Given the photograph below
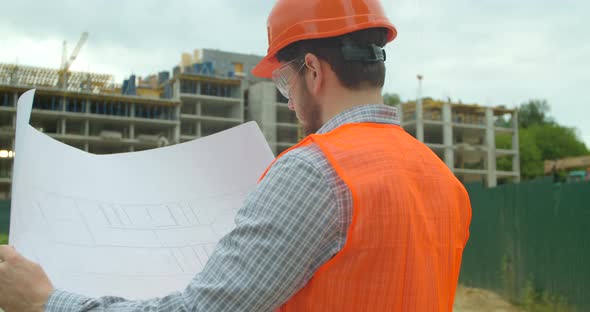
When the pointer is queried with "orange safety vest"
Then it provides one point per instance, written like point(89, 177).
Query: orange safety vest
point(409, 227)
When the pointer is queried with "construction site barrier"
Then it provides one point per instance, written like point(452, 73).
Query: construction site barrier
point(531, 242)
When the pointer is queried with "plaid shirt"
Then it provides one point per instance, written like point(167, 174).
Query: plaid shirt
point(293, 222)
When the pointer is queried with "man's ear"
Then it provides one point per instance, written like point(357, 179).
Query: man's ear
point(315, 73)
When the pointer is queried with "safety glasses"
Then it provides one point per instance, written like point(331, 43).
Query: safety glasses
point(283, 76)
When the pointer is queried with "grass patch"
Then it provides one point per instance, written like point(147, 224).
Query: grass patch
point(537, 301)
point(531, 297)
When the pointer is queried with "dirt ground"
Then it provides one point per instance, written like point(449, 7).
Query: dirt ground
point(479, 300)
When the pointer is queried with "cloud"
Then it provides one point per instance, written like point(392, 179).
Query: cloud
point(492, 52)
point(130, 36)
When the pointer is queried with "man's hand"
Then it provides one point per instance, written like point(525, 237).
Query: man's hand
point(24, 286)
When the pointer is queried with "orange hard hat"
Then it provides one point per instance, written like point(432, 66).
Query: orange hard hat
point(296, 20)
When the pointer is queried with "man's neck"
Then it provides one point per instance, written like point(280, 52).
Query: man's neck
point(346, 99)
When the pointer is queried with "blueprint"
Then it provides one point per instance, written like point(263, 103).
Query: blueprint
point(135, 225)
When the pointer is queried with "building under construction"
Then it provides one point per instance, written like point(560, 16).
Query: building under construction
point(210, 91)
point(207, 92)
point(464, 137)
point(217, 92)
point(90, 113)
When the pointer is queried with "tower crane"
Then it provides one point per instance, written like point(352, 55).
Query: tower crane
point(67, 62)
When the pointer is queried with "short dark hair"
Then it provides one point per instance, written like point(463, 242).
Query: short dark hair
point(352, 74)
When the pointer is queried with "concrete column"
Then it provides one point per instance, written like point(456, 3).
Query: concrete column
point(15, 99)
point(176, 138)
point(198, 91)
point(63, 126)
point(263, 110)
point(491, 147)
point(448, 136)
point(132, 110)
point(198, 109)
point(176, 89)
point(86, 147)
point(515, 147)
point(419, 121)
point(132, 131)
point(400, 114)
point(131, 148)
point(242, 101)
point(86, 127)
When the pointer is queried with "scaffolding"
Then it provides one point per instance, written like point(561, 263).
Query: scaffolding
point(13, 74)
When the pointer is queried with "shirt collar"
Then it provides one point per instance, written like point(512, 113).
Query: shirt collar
point(370, 113)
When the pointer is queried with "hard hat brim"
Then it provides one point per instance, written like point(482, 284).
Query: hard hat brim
point(269, 63)
point(266, 66)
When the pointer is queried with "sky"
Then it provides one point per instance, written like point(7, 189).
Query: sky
point(489, 52)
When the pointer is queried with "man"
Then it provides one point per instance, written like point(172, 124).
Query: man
point(357, 217)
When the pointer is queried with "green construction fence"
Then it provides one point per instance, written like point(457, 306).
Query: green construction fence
point(532, 237)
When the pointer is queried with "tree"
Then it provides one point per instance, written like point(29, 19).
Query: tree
point(546, 142)
point(531, 159)
point(504, 141)
point(391, 99)
point(540, 138)
point(534, 112)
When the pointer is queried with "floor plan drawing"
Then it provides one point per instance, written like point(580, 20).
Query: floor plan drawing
point(134, 225)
